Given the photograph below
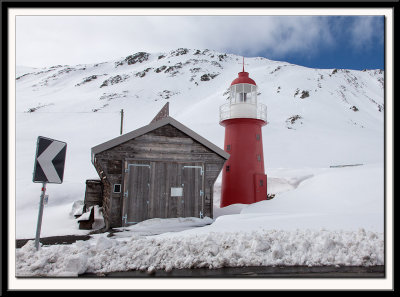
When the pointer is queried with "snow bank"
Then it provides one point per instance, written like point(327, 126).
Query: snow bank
point(336, 198)
point(230, 249)
point(160, 226)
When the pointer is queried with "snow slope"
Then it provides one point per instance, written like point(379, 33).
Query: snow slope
point(317, 118)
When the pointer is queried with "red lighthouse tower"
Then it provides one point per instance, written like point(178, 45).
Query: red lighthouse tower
point(243, 177)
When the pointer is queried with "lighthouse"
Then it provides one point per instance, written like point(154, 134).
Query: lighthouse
point(243, 177)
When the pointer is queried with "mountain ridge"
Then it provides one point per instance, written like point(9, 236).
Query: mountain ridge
point(316, 117)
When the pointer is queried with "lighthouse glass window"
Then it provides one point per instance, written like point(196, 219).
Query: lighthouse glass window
point(244, 93)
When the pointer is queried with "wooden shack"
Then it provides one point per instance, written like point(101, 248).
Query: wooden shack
point(162, 170)
point(93, 193)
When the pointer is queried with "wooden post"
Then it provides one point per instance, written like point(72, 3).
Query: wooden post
point(122, 120)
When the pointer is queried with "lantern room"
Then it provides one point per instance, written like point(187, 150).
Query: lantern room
point(243, 93)
point(243, 100)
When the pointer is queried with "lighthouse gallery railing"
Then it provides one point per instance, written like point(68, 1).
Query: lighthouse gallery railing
point(242, 110)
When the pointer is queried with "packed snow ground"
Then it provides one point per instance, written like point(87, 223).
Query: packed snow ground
point(319, 216)
point(311, 231)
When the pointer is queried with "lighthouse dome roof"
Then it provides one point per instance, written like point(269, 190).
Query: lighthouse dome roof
point(243, 79)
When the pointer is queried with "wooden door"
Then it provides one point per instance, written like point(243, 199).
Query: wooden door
point(177, 190)
point(158, 188)
point(136, 193)
point(193, 190)
point(174, 190)
point(162, 190)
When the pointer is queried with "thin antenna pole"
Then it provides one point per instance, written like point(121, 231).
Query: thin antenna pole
point(243, 64)
point(122, 121)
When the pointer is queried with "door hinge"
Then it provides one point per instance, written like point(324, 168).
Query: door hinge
point(139, 165)
point(201, 193)
point(124, 218)
point(201, 214)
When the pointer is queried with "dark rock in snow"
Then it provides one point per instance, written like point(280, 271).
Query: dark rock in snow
point(87, 79)
point(143, 73)
point(195, 70)
point(304, 94)
point(208, 76)
point(166, 94)
point(114, 80)
point(33, 109)
point(292, 120)
point(19, 77)
point(173, 69)
point(222, 57)
point(160, 69)
point(112, 96)
point(179, 51)
point(275, 70)
point(133, 59)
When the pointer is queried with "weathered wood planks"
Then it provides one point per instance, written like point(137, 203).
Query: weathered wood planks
point(173, 160)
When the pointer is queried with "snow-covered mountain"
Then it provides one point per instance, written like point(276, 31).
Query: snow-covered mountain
point(316, 117)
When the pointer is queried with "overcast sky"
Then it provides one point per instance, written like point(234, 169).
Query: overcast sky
point(353, 42)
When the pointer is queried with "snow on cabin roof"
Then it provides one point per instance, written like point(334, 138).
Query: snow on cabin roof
point(155, 125)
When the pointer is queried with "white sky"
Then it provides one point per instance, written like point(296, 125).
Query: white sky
point(51, 40)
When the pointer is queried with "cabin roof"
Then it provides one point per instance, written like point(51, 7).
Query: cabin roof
point(155, 125)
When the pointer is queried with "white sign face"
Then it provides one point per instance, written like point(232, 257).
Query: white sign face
point(176, 192)
point(50, 160)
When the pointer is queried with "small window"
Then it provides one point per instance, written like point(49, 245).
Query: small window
point(261, 182)
point(228, 147)
point(117, 188)
point(258, 136)
point(228, 168)
point(258, 158)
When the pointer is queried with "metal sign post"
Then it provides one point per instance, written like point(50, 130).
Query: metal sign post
point(39, 223)
point(49, 168)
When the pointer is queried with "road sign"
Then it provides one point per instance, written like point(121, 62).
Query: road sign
point(49, 168)
point(49, 161)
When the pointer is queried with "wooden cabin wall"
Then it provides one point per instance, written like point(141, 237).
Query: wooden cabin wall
point(93, 193)
point(166, 144)
point(110, 173)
